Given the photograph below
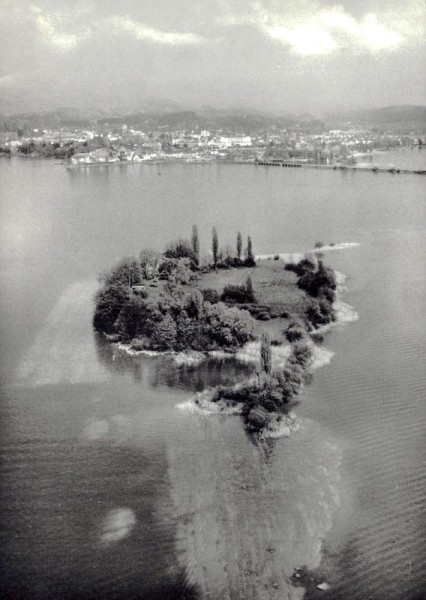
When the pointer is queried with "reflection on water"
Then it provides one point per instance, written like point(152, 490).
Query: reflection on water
point(252, 512)
point(166, 370)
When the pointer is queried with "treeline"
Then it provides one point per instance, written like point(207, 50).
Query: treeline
point(59, 150)
point(132, 307)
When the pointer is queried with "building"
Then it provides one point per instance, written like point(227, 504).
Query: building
point(235, 140)
point(8, 136)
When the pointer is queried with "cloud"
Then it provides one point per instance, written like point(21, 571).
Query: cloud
point(308, 30)
point(51, 29)
point(64, 31)
point(307, 39)
point(141, 31)
point(367, 33)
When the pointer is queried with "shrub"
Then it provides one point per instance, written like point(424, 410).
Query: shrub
point(287, 392)
point(227, 327)
point(295, 332)
point(249, 262)
point(141, 343)
point(306, 265)
point(238, 294)
point(257, 419)
point(326, 293)
point(290, 267)
point(263, 316)
point(293, 375)
point(167, 267)
point(302, 354)
point(211, 295)
point(321, 281)
point(176, 270)
point(319, 312)
point(182, 249)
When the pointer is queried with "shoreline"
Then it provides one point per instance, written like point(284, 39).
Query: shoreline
point(281, 424)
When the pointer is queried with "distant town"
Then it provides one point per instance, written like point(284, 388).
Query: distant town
point(180, 138)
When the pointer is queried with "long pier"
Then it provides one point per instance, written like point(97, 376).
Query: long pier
point(375, 169)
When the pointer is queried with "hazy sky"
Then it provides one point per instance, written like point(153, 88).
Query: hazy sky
point(286, 55)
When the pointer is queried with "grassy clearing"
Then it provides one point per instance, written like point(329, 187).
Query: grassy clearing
point(273, 287)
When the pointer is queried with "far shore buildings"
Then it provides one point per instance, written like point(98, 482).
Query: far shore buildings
point(235, 140)
point(8, 136)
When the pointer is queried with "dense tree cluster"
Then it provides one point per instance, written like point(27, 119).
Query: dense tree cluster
point(177, 318)
point(319, 282)
point(239, 294)
point(272, 390)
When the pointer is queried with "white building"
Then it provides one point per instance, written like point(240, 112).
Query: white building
point(235, 140)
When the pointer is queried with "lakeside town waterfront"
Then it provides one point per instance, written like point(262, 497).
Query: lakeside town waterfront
point(96, 430)
point(151, 138)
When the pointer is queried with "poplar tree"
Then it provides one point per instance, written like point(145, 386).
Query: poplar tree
point(266, 354)
point(215, 245)
point(239, 245)
point(249, 289)
point(196, 244)
point(250, 258)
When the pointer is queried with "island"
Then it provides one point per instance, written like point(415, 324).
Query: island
point(179, 301)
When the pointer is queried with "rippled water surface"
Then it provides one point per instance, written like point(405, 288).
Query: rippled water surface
point(112, 487)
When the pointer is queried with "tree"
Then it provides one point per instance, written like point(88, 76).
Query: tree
point(257, 419)
point(249, 289)
point(165, 334)
point(239, 245)
point(226, 327)
point(127, 272)
point(215, 246)
point(250, 262)
point(109, 302)
point(195, 304)
point(196, 243)
point(136, 318)
point(182, 273)
point(265, 353)
point(181, 249)
point(149, 260)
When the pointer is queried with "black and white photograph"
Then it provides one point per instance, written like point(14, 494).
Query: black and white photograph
point(212, 299)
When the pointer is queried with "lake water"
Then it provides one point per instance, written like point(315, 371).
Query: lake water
point(113, 487)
